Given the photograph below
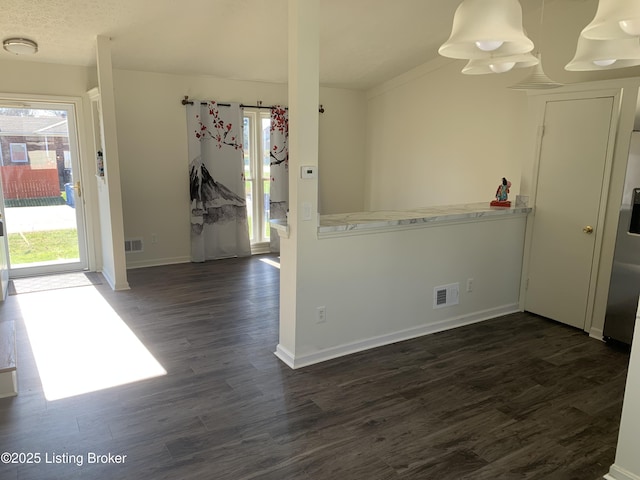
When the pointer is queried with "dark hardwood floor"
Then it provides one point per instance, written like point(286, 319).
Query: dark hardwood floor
point(517, 397)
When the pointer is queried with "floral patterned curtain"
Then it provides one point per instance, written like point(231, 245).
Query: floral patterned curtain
point(279, 165)
point(219, 227)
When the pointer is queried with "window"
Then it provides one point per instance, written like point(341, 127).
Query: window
point(19, 153)
point(257, 172)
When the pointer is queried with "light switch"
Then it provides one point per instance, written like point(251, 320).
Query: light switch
point(306, 211)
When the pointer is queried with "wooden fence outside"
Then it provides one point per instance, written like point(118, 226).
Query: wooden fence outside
point(24, 182)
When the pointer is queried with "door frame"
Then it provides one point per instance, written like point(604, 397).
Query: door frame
point(539, 104)
point(85, 160)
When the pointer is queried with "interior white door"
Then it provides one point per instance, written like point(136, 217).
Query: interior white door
point(573, 157)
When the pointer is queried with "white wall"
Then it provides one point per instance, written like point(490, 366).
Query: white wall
point(437, 137)
point(45, 79)
point(152, 141)
point(342, 151)
point(378, 288)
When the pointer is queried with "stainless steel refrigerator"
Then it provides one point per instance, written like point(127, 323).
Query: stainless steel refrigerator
point(624, 289)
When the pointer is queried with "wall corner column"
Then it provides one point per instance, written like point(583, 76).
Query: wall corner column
point(110, 195)
point(304, 88)
point(627, 462)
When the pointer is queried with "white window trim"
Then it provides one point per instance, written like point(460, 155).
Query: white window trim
point(258, 245)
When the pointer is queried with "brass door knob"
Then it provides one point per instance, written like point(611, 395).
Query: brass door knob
point(588, 229)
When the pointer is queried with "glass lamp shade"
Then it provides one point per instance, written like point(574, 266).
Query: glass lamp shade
point(499, 64)
point(615, 19)
point(631, 26)
point(501, 67)
point(482, 28)
point(605, 54)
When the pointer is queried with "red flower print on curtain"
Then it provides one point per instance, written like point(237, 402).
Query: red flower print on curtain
point(279, 165)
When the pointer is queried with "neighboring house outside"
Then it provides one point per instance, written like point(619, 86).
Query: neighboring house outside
point(34, 157)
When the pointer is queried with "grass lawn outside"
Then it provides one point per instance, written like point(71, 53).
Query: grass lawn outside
point(47, 246)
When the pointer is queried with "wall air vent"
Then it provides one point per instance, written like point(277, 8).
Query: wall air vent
point(446, 295)
point(133, 245)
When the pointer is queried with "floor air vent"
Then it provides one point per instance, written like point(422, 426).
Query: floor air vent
point(133, 245)
point(446, 295)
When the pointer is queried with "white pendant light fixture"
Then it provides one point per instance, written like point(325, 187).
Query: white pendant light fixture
point(614, 19)
point(486, 28)
point(605, 54)
point(536, 80)
point(499, 64)
point(20, 46)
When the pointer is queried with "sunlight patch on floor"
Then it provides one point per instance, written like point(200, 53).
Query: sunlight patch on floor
point(271, 262)
point(81, 344)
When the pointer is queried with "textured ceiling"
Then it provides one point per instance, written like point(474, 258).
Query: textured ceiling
point(362, 42)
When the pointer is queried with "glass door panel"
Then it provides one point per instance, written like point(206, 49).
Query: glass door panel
point(41, 191)
point(266, 175)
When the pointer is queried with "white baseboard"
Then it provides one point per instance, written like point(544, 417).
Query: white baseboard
point(619, 473)
point(156, 262)
point(108, 278)
point(260, 248)
point(597, 334)
point(256, 249)
point(299, 361)
point(112, 283)
point(4, 280)
point(285, 355)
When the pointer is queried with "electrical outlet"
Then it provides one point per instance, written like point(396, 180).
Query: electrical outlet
point(154, 238)
point(321, 314)
point(469, 284)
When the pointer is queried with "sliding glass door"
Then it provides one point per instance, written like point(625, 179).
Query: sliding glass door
point(41, 201)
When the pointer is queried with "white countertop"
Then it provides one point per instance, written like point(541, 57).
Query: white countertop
point(389, 219)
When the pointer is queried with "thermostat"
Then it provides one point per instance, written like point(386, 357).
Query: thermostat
point(309, 172)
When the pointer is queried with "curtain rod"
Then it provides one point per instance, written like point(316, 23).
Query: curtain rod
point(186, 101)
